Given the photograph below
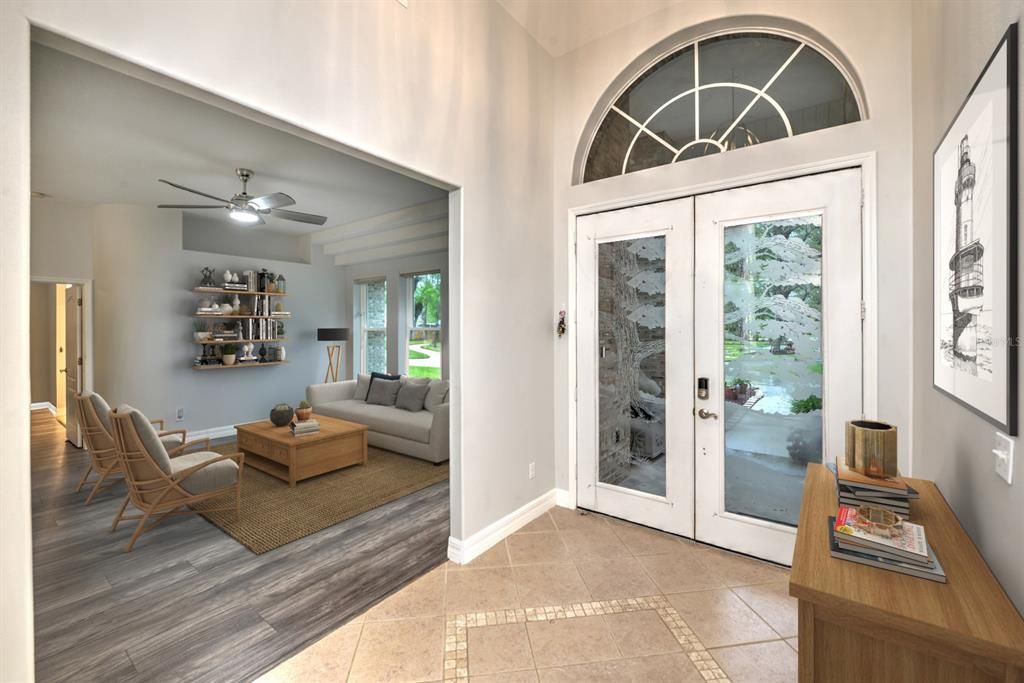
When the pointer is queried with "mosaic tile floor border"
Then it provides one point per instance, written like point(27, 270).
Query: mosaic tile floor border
point(456, 647)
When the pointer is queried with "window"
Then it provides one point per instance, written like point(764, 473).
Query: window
point(423, 295)
point(718, 94)
point(372, 318)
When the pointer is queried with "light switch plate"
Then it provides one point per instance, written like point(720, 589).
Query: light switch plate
point(1004, 457)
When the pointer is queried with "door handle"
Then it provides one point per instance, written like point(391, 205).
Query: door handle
point(63, 370)
point(705, 415)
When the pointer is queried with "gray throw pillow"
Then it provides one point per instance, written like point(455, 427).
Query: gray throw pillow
point(383, 392)
point(408, 379)
point(437, 395)
point(362, 387)
point(411, 396)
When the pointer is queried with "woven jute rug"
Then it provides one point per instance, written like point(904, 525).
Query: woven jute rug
point(273, 514)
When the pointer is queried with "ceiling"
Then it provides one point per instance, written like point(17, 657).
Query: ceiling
point(102, 137)
point(564, 25)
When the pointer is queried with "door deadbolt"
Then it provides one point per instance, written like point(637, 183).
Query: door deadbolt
point(702, 388)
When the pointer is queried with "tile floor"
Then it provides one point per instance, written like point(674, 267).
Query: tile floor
point(571, 597)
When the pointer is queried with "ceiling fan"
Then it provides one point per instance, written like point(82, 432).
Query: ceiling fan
point(245, 208)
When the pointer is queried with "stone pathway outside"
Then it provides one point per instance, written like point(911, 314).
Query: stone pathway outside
point(572, 597)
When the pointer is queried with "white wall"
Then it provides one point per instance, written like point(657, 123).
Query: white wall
point(951, 43)
point(455, 90)
point(392, 271)
point(42, 331)
point(873, 38)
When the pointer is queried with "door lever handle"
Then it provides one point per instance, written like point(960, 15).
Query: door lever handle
point(705, 415)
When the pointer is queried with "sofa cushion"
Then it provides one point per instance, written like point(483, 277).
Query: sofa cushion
point(210, 478)
point(409, 379)
point(382, 419)
point(411, 396)
point(383, 392)
point(148, 436)
point(362, 387)
point(437, 395)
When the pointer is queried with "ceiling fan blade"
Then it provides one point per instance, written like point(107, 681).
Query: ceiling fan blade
point(189, 189)
point(271, 201)
point(191, 206)
point(299, 216)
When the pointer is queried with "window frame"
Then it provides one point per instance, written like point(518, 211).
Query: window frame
point(409, 323)
point(360, 321)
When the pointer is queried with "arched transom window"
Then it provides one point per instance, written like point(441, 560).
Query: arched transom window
point(717, 94)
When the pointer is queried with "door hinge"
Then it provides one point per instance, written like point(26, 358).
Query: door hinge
point(863, 310)
point(79, 302)
point(79, 360)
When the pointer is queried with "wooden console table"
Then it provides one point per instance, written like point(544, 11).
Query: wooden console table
point(859, 623)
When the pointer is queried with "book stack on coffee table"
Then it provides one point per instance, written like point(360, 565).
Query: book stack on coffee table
point(304, 427)
point(901, 547)
point(889, 493)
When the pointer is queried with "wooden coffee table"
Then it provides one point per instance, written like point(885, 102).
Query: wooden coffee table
point(290, 458)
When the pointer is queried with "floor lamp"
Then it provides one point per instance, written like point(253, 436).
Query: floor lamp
point(332, 334)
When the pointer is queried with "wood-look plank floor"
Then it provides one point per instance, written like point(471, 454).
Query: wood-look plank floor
point(190, 603)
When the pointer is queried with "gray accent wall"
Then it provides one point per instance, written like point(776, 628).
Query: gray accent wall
point(951, 42)
point(142, 316)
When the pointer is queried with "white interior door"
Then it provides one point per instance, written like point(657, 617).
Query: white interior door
point(778, 336)
point(635, 364)
point(72, 359)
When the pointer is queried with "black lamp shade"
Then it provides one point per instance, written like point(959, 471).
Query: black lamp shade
point(332, 334)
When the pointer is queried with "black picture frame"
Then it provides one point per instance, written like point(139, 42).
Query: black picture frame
point(959, 281)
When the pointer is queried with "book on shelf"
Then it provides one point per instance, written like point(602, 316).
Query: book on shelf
point(907, 540)
point(933, 571)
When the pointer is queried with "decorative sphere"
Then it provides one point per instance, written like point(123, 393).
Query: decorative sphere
point(281, 414)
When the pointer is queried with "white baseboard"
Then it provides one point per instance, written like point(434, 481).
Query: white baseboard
point(45, 405)
point(464, 551)
point(565, 499)
point(211, 433)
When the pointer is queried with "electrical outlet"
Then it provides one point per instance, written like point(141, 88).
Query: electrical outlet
point(180, 415)
point(1004, 457)
point(533, 470)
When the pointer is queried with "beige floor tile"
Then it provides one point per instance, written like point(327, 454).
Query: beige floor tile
point(720, 618)
point(594, 542)
point(571, 641)
point(622, 577)
point(496, 649)
point(639, 634)
point(496, 556)
point(679, 571)
point(509, 677)
point(794, 643)
point(327, 660)
point(567, 520)
point(424, 597)
point(403, 651)
point(674, 668)
point(474, 590)
point(536, 548)
point(540, 585)
point(772, 603)
point(736, 570)
point(542, 523)
point(643, 541)
point(774, 662)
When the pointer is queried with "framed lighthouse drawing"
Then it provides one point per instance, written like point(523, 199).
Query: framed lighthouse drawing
point(976, 199)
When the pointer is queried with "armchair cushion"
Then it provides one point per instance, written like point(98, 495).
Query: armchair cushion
point(102, 409)
point(210, 478)
point(149, 437)
point(172, 440)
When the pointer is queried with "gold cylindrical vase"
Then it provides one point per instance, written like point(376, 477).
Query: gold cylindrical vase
point(871, 448)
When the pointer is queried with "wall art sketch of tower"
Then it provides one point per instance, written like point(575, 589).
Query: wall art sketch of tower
point(966, 284)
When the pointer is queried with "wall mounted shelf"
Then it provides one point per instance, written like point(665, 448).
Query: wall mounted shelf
point(240, 292)
point(235, 341)
point(236, 366)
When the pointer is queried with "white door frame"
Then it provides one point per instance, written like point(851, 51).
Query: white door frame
point(87, 334)
point(867, 162)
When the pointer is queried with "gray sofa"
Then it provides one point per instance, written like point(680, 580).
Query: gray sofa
point(422, 434)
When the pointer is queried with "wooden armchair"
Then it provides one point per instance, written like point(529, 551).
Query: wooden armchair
point(94, 416)
point(159, 485)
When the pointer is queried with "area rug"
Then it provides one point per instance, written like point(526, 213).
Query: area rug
point(273, 514)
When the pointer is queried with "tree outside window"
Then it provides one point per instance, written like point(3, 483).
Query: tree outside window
point(425, 325)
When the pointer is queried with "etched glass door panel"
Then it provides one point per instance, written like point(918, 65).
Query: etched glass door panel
point(631, 364)
point(772, 350)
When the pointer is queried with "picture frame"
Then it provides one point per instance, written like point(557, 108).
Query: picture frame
point(974, 233)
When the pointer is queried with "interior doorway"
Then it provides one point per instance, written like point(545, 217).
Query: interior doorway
point(61, 360)
point(722, 353)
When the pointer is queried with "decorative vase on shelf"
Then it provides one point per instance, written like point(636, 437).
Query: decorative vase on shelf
point(227, 276)
point(225, 309)
point(281, 284)
point(280, 354)
point(234, 278)
point(236, 305)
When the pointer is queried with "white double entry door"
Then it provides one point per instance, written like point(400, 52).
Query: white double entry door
point(719, 352)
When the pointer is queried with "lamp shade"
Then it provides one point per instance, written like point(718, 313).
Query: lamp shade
point(332, 334)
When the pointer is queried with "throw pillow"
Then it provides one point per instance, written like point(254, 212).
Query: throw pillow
point(383, 375)
point(383, 392)
point(437, 395)
point(409, 379)
point(411, 396)
point(362, 387)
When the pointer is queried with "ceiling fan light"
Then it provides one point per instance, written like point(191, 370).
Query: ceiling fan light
point(244, 215)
